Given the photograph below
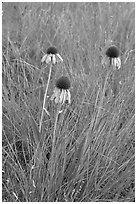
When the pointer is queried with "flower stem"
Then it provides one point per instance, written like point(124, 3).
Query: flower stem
point(45, 96)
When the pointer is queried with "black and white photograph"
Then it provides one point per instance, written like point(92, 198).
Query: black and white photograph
point(68, 101)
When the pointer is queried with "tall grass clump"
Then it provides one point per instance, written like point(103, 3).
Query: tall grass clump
point(61, 149)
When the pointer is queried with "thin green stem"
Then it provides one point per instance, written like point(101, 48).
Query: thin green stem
point(45, 96)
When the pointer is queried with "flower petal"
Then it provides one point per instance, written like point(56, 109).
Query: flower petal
point(44, 58)
point(61, 96)
point(53, 96)
point(60, 58)
point(68, 96)
point(65, 96)
point(57, 93)
point(118, 63)
point(48, 60)
point(54, 59)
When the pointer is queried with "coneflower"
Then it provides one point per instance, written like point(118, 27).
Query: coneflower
point(52, 56)
point(113, 54)
point(61, 95)
point(61, 92)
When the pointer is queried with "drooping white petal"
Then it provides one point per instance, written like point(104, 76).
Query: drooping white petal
point(58, 55)
point(48, 60)
point(54, 59)
point(53, 96)
point(61, 96)
point(44, 58)
point(57, 98)
point(65, 96)
point(118, 63)
point(68, 96)
point(113, 63)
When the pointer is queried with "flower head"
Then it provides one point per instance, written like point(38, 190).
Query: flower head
point(52, 56)
point(61, 92)
point(113, 54)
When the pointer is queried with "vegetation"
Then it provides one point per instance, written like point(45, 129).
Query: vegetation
point(93, 154)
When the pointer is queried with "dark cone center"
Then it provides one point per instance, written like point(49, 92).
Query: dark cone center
point(112, 52)
point(63, 83)
point(52, 50)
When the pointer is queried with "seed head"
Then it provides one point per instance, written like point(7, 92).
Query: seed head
point(63, 83)
point(52, 50)
point(113, 52)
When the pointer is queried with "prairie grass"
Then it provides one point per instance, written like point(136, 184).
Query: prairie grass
point(86, 153)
